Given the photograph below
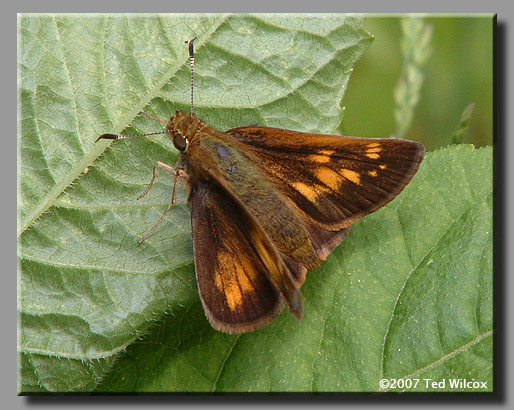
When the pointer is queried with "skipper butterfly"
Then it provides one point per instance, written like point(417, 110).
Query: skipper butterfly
point(269, 204)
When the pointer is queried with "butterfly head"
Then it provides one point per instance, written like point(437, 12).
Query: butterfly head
point(182, 128)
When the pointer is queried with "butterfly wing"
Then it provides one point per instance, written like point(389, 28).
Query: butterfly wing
point(243, 283)
point(332, 180)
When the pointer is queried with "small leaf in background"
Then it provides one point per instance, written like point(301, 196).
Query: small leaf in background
point(415, 50)
point(465, 120)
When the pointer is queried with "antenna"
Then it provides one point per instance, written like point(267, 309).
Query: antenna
point(192, 61)
point(123, 137)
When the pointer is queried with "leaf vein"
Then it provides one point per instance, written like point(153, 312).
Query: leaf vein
point(224, 363)
point(400, 292)
point(447, 356)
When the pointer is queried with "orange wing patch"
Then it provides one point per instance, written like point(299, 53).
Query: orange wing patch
point(351, 176)
point(333, 179)
point(328, 177)
point(319, 158)
point(311, 192)
point(233, 279)
point(373, 150)
point(323, 157)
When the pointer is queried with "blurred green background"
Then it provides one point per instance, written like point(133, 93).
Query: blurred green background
point(459, 71)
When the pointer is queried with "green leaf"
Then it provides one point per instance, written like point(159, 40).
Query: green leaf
point(407, 295)
point(87, 290)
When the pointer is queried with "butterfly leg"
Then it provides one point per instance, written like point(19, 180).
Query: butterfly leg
point(152, 117)
point(172, 171)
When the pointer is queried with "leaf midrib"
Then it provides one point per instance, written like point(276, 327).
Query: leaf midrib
point(50, 197)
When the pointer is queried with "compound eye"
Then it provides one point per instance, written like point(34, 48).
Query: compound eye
point(180, 142)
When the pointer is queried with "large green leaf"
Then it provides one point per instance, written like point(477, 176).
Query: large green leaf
point(86, 289)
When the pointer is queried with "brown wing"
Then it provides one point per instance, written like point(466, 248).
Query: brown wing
point(333, 180)
point(242, 280)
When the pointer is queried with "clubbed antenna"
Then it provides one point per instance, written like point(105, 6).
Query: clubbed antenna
point(124, 137)
point(192, 61)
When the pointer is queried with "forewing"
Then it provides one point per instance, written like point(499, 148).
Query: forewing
point(333, 180)
point(240, 283)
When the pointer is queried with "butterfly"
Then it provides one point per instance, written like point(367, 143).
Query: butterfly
point(268, 205)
